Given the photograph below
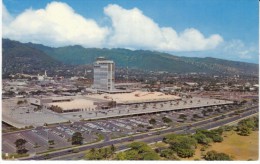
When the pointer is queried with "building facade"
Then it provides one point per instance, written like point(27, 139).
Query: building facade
point(104, 74)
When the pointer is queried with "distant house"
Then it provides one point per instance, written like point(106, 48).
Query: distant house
point(191, 84)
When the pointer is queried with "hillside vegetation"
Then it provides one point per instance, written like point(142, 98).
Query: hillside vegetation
point(35, 56)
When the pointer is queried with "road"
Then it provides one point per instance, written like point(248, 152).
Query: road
point(149, 137)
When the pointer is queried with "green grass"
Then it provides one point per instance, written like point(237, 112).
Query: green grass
point(11, 156)
point(239, 147)
point(100, 137)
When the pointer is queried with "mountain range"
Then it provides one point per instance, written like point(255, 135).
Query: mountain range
point(18, 56)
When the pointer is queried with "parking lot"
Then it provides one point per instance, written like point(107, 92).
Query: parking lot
point(21, 116)
point(38, 138)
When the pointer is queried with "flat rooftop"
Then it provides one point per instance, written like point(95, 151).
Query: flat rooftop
point(75, 104)
point(136, 97)
point(18, 116)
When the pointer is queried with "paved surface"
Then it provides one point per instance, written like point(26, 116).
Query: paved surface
point(21, 116)
point(109, 129)
point(153, 136)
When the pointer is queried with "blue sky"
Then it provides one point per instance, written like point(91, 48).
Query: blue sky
point(216, 28)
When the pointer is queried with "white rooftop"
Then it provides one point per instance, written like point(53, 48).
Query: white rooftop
point(136, 97)
point(74, 104)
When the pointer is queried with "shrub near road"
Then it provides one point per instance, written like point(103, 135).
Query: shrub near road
point(214, 135)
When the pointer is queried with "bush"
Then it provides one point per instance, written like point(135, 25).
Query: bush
point(228, 128)
point(166, 153)
point(215, 135)
point(185, 153)
point(217, 138)
point(20, 102)
point(121, 156)
point(183, 145)
point(182, 116)
point(140, 151)
point(245, 126)
point(215, 156)
point(201, 138)
point(244, 131)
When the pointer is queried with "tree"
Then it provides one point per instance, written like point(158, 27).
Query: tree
point(182, 116)
point(245, 126)
point(20, 102)
point(215, 156)
point(20, 146)
point(106, 153)
point(92, 150)
point(77, 139)
point(183, 145)
point(167, 153)
point(244, 130)
point(151, 155)
point(121, 156)
point(166, 120)
point(140, 151)
point(201, 138)
point(204, 112)
point(51, 142)
point(195, 116)
point(215, 134)
point(217, 138)
point(112, 148)
point(152, 121)
point(185, 153)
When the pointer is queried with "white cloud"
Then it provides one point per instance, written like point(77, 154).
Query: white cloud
point(6, 17)
point(58, 24)
point(238, 48)
point(133, 29)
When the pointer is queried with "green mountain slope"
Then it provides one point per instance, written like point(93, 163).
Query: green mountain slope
point(18, 57)
point(141, 59)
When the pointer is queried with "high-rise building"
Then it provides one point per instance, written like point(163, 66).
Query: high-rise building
point(104, 74)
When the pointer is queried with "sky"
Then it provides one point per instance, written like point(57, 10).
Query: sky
point(226, 29)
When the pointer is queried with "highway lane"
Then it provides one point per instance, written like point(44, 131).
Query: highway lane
point(206, 124)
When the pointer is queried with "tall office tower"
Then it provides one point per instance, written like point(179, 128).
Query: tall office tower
point(104, 74)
